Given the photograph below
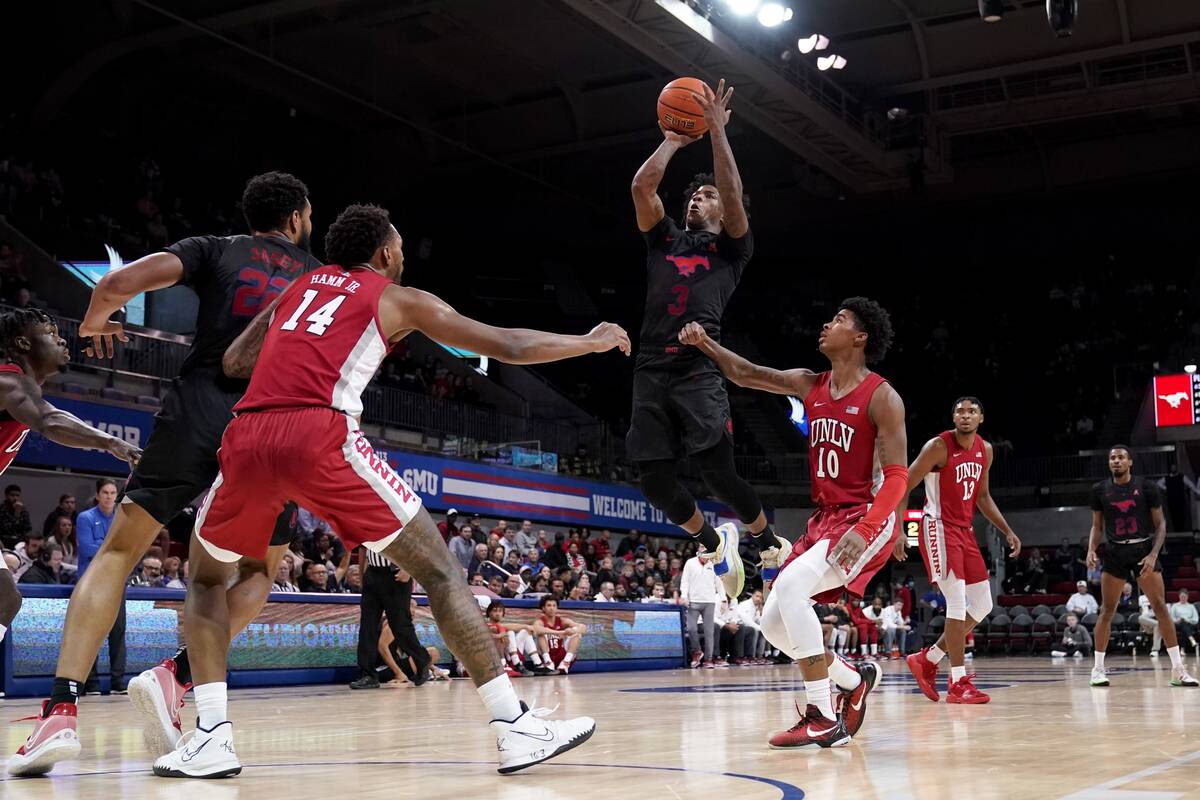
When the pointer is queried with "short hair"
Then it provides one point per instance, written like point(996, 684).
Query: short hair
point(968, 398)
point(269, 199)
point(708, 179)
point(547, 599)
point(356, 234)
point(102, 482)
point(873, 320)
point(17, 322)
point(496, 603)
point(50, 550)
point(1124, 447)
point(12, 487)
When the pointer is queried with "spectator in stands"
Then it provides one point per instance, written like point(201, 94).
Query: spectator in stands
point(701, 590)
point(1127, 603)
point(91, 528)
point(556, 555)
point(895, 628)
point(867, 628)
point(28, 552)
point(150, 574)
point(63, 535)
point(526, 539)
point(14, 519)
point(327, 549)
point(1184, 615)
point(318, 579)
point(539, 586)
point(283, 577)
point(1076, 641)
point(605, 571)
point(512, 587)
point(174, 576)
point(621, 594)
point(447, 527)
point(607, 590)
point(65, 508)
point(1035, 571)
point(558, 589)
point(1064, 559)
point(47, 568)
point(934, 600)
point(508, 540)
point(603, 544)
point(479, 556)
point(659, 595)
point(352, 583)
point(575, 559)
point(498, 555)
point(1082, 602)
point(512, 562)
point(462, 547)
point(500, 529)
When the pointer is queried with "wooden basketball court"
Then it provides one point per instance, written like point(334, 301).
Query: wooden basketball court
point(677, 734)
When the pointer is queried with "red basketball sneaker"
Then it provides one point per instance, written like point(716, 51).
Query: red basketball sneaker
point(54, 739)
point(964, 691)
point(158, 695)
point(854, 703)
point(925, 671)
point(813, 728)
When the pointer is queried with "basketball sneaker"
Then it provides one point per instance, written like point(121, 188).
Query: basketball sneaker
point(531, 739)
point(201, 754)
point(54, 739)
point(772, 558)
point(1099, 678)
point(925, 671)
point(813, 728)
point(726, 561)
point(854, 702)
point(157, 695)
point(963, 691)
point(1182, 678)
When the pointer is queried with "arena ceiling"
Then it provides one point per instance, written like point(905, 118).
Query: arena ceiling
point(527, 83)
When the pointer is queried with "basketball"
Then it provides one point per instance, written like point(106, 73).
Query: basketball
point(678, 110)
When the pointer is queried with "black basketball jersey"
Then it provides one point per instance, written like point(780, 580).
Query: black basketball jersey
point(1126, 508)
point(235, 277)
point(690, 276)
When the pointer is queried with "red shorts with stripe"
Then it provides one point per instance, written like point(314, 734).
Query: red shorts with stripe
point(317, 457)
point(947, 548)
point(830, 524)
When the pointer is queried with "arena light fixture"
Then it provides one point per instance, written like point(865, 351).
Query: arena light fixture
point(1189, 368)
point(811, 43)
point(773, 14)
point(991, 10)
point(831, 61)
point(743, 7)
point(1061, 15)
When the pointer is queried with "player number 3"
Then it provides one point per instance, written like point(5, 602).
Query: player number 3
point(318, 321)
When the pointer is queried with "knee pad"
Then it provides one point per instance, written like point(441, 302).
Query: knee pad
point(955, 592)
point(979, 599)
point(664, 491)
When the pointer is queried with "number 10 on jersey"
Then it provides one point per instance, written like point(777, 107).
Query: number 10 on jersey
point(318, 321)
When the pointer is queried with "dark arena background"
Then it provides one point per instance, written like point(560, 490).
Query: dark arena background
point(1014, 181)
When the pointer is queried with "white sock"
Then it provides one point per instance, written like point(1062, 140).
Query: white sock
point(570, 657)
point(500, 699)
point(211, 705)
point(875, 649)
point(819, 696)
point(537, 659)
point(1176, 658)
point(957, 673)
point(862, 649)
point(935, 654)
point(1100, 659)
point(3, 630)
point(513, 658)
point(844, 675)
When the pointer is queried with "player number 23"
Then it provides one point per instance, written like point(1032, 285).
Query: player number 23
point(318, 321)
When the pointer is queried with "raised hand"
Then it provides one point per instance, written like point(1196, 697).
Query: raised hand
point(102, 345)
point(676, 138)
point(715, 104)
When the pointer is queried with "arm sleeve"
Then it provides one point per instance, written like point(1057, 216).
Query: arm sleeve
point(198, 255)
point(895, 485)
point(656, 236)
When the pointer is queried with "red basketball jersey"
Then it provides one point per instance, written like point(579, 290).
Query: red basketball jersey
point(950, 490)
point(324, 343)
point(555, 624)
point(12, 433)
point(841, 443)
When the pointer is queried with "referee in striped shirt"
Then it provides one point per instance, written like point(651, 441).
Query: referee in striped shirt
point(386, 589)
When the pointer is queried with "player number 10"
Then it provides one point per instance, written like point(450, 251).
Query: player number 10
point(828, 461)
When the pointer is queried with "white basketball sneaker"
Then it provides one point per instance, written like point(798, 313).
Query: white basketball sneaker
point(1099, 678)
point(201, 754)
point(727, 563)
point(158, 696)
point(531, 739)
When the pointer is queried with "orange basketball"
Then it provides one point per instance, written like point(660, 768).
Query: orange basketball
point(678, 111)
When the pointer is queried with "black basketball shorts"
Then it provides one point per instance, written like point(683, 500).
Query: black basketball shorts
point(1124, 560)
point(676, 412)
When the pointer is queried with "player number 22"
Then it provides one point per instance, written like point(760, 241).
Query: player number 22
point(828, 462)
point(318, 321)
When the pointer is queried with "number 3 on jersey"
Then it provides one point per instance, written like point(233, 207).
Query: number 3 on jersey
point(318, 321)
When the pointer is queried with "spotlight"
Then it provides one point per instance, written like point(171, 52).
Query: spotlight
point(742, 7)
point(829, 62)
point(771, 15)
point(811, 43)
point(1190, 369)
point(1061, 14)
point(991, 10)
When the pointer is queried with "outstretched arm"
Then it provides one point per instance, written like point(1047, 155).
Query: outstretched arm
point(646, 201)
point(403, 309)
point(729, 182)
point(745, 373)
point(24, 402)
point(116, 288)
point(987, 506)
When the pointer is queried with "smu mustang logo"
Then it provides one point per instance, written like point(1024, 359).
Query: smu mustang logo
point(687, 264)
point(1174, 400)
point(1125, 506)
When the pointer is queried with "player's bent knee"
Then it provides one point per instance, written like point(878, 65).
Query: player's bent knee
point(979, 599)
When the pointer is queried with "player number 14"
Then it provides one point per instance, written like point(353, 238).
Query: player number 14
point(318, 321)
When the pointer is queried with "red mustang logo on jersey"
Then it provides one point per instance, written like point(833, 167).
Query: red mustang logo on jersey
point(1125, 506)
point(687, 264)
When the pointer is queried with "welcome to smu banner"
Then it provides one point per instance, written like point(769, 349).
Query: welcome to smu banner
point(517, 494)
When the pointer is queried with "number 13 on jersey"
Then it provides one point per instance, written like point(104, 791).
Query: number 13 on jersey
point(318, 321)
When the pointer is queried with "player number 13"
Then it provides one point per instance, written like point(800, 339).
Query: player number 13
point(318, 321)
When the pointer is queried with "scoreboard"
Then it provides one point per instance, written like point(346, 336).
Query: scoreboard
point(1176, 400)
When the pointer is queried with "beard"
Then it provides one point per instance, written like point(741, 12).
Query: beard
point(305, 241)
